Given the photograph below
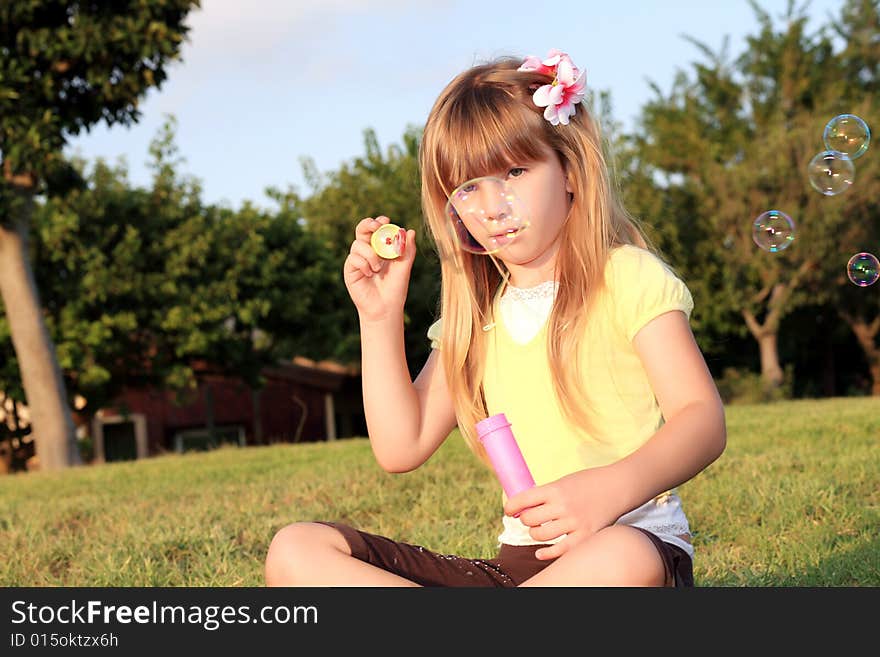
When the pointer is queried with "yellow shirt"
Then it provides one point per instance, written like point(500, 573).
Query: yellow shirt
point(625, 412)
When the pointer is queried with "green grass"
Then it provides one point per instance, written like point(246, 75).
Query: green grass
point(793, 501)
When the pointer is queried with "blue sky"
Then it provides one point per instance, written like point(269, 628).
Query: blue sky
point(264, 83)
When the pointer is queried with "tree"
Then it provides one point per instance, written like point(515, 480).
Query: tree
point(149, 287)
point(64, 66)
point(368, 186)
point(859, 83)
point(736, 141)
point(247, 288)
point(99, 255)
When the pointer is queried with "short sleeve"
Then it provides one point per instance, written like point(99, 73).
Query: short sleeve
point(434, 333)
point(644, 287)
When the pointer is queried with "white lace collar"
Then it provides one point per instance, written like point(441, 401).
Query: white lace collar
point(545, 290)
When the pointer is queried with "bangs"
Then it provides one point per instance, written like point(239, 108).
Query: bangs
point(487, 131)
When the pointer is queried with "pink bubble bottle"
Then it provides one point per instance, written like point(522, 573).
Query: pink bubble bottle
point(504, 453)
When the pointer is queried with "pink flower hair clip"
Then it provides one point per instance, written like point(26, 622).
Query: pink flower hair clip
point(567, 89)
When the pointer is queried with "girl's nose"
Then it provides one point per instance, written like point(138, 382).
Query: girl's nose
point(498, 215)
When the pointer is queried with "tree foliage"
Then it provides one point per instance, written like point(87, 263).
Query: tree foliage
point(368, 186)
point(64, 66)
point(733, 139)
point(151, 287)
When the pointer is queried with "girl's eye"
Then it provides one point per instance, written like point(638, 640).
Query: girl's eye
point(519, 171)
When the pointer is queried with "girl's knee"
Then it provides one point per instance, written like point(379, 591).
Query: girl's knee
point(628, 558)
point(294, 545)
point(614, 556)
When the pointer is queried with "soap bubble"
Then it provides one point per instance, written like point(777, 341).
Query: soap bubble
point(848, 135)
point(773, 231)
point(486, 215)
point(831, 173)
point(863, 269)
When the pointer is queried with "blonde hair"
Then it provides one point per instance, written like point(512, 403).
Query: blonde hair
point(485, 121)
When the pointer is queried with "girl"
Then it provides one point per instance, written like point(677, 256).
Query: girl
point(578, 332)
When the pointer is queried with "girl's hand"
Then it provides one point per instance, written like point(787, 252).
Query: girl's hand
point(579, 505)
point(378, 286)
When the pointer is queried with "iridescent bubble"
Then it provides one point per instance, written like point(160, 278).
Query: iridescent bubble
point(831, 173)
point(486, 215)
point(773, 231)
point(848, 135)
point(863, 269)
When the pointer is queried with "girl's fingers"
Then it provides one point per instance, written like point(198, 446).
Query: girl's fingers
point(365, 251)
point(554, 551)
point(549, 531)
point(366, 227)
point(356, 263)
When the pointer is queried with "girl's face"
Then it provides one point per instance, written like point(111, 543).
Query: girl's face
point(543, 189)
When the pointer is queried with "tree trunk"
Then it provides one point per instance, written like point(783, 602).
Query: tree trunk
point(771, 372)
point(51, 421)
point(776, 296)
point(766, 334)
point(866, 334)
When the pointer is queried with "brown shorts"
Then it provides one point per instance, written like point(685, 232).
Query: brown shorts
point(513, 565)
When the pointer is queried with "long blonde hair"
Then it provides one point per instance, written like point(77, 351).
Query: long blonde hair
point(484, 121)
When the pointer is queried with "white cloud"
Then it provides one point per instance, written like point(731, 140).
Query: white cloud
point(236, 40)
point(249, 29)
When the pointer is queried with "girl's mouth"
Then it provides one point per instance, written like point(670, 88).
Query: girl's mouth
point(507, 233)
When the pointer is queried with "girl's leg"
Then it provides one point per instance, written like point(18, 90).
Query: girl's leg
point(615, 556)
point(312, 554)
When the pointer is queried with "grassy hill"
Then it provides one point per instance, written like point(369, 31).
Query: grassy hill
point(793, 501)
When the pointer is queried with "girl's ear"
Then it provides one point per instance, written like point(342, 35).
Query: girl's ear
point(568, 187)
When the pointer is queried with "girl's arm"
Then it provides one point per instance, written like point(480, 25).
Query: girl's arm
point(407, 421)
point(695, 433)
point(693, 436)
